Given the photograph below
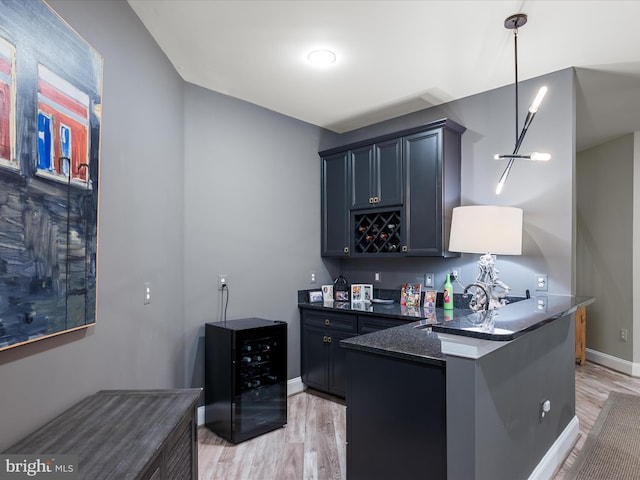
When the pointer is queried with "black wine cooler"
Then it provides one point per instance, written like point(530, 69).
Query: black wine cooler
point(245, 377)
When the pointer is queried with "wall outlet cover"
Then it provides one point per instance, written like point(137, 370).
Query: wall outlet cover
point(429, 280)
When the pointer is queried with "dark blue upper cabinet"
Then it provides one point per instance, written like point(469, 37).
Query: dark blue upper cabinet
point(397, 196)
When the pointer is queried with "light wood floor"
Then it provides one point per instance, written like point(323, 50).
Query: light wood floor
point(312, 446)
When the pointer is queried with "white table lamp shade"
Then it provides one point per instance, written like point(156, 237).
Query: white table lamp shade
point(486, 229)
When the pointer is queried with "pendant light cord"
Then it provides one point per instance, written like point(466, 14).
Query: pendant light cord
point(515, 38)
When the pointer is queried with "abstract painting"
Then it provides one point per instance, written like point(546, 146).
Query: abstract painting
point(50, 113)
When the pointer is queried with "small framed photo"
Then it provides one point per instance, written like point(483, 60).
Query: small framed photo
point(315, 296)
point(341, 295)
point(361, 293)
point(430, 299)
point(327, 292)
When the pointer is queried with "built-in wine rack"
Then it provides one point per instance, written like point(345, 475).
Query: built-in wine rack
point(378, 232)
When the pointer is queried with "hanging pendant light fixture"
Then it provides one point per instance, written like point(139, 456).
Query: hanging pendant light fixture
point(513, 23)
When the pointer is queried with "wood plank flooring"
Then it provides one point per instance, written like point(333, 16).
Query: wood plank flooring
point(312, 446)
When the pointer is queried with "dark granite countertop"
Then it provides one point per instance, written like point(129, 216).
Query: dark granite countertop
point(419, 341)
point(515, 319)
point(413, 341)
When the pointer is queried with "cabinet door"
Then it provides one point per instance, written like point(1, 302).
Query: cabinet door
point(337, 363)
point(423, 206)
point(388, 173)
point(335, 205)
point(362, 177)
point(376, 175)
point(315, 357)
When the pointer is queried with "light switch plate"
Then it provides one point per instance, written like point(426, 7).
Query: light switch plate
point(147, 293)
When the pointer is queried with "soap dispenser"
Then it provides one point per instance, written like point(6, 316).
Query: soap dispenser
point(447, 297)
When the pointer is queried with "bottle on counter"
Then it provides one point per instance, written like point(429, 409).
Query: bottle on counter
point(447, 296)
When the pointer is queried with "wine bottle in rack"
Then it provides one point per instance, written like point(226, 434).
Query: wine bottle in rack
point(246, 359)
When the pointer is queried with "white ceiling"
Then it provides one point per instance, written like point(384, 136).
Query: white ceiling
point(396, 57)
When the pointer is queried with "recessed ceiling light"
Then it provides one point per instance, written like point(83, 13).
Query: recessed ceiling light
point(322, 57)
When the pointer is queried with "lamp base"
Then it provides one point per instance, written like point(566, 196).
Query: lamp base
point(493, 291)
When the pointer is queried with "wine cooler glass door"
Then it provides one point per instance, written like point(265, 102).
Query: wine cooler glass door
point(261, 395)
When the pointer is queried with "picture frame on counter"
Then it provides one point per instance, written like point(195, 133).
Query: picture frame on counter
point(361, 292)
point(327, 293)
point(342, 295)
point(430, 299)
point(315, 296)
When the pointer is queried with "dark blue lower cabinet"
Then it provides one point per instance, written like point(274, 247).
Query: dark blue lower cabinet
point(396, 418)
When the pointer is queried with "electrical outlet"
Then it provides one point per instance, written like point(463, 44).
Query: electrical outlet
point(312, 277)
point(623, 334)
point(223, 279)
point(147, 293)
point(545, 408)
point(377, 277)
point(429, 280)
point(453, 275)
point(542, 282)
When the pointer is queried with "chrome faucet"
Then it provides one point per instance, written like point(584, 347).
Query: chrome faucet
point(481, 287)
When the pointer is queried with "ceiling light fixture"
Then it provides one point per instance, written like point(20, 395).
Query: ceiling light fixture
point(322, 57)
point(513, 23)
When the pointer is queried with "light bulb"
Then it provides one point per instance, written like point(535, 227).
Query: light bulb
point(322, 57)
point(540, 157)
point(538, 100)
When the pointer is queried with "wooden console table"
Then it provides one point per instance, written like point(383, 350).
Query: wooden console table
point(125, 434)
point(581, 335)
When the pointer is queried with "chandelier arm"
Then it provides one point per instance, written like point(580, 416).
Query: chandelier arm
point(505, 174)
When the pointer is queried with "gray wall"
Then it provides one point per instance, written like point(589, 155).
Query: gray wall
point(498, 397)
point(140, 237)
point(543, 190)
point(194, 183)
point(252, 211)
point(605, 189)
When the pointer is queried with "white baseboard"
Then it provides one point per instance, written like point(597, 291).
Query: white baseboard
point(614, 363)
point(555, 456)
point(294, 386)
point(200, 415)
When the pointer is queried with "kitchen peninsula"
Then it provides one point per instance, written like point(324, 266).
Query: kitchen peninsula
point(487, 395)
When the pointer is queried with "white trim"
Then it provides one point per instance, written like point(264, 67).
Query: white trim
point(614, 363)
point(200, 415)
point(467, 347)
point(555, 456)
point(294, 385)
